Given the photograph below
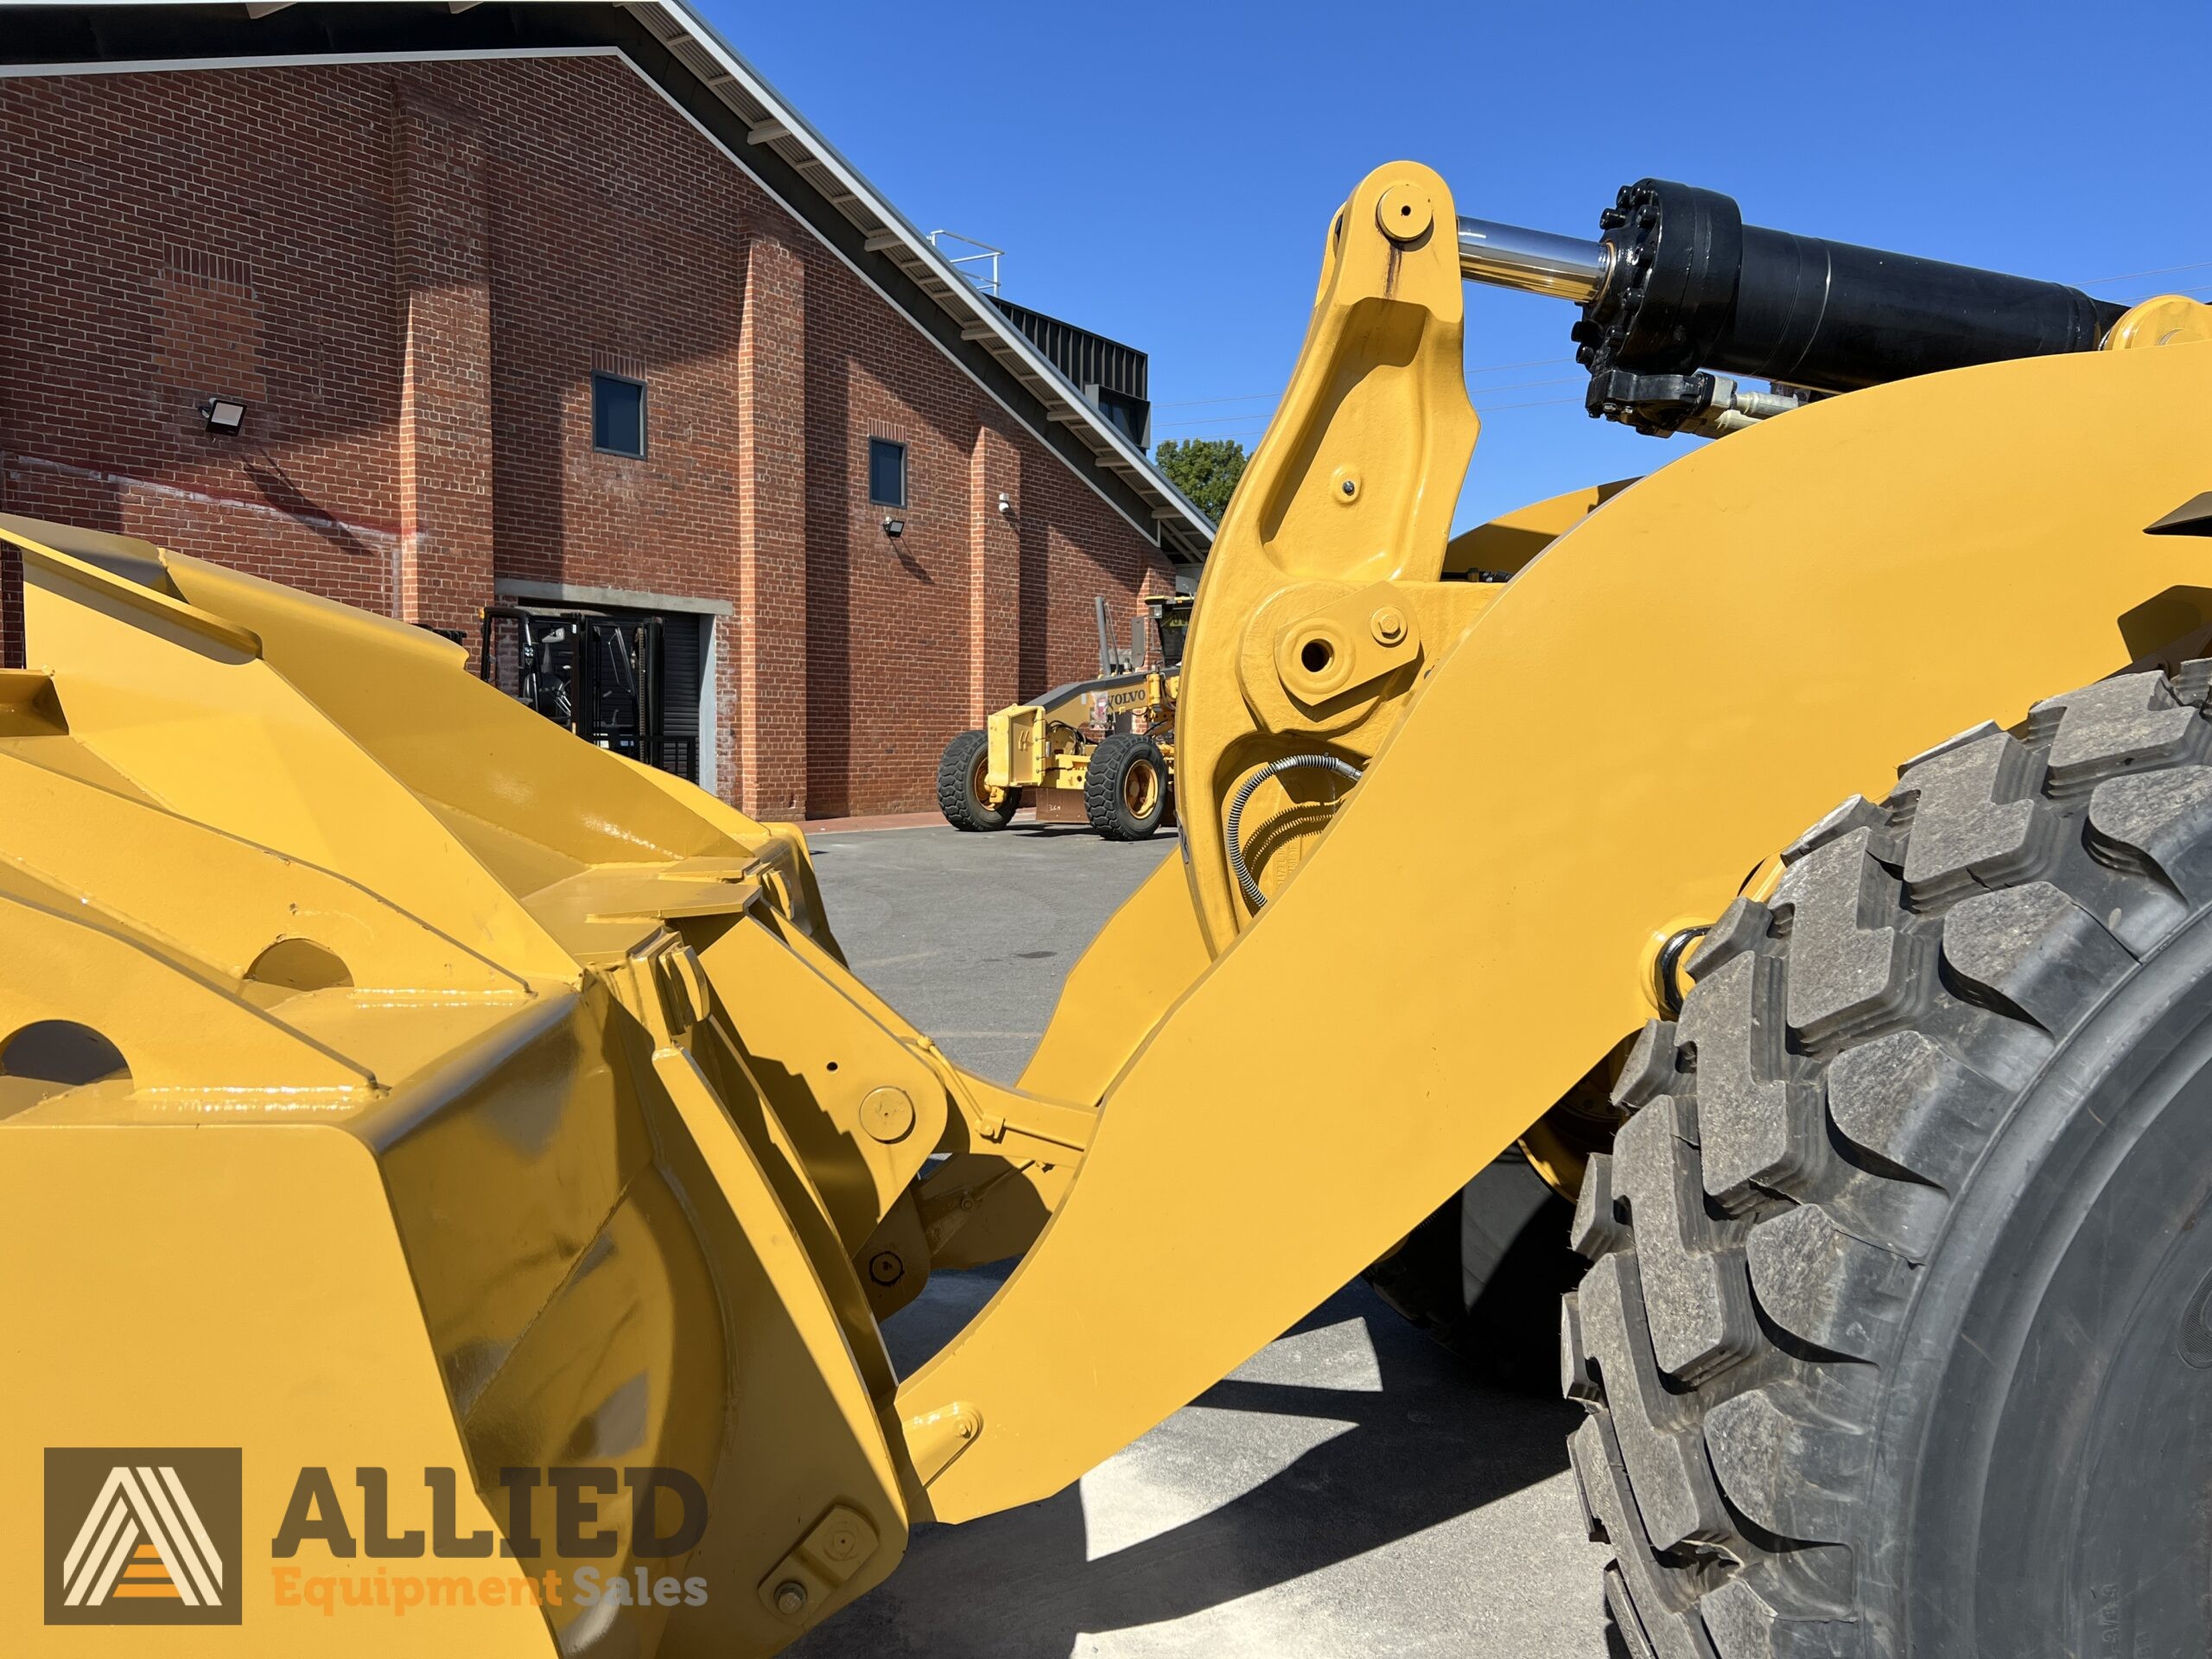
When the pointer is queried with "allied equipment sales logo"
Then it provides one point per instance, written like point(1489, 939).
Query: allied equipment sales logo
point(142, 1535)
point(151, 1536)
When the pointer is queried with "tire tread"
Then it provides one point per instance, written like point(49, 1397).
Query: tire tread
point(1847, 1051)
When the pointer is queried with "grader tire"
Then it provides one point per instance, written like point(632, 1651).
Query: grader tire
point(961, 795)
point(1125, 787)
point(1897, 1337)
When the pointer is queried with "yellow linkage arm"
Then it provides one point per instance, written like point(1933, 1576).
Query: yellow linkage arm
point(1665, 695)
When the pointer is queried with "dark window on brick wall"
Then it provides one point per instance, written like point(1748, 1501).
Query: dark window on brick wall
point(618, 414)
point(887, 472)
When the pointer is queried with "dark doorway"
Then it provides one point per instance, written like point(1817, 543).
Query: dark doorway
point(625, 680)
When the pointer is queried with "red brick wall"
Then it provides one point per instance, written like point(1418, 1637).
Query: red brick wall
point(775, 695)
point(994, 575)
point(441, 233)
point(409, 273)
point(167, 237)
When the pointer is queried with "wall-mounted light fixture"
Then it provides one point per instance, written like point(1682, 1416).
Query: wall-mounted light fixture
point(893, 527)
point(1006, 504)
point(223, 415)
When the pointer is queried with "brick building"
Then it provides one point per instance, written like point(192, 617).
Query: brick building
point(558, 312)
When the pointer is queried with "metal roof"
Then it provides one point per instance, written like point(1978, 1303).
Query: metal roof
point(708, 81)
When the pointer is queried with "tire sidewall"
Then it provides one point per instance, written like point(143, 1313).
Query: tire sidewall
point(1994, 1445)
point(958, 799)
point(1104, 800)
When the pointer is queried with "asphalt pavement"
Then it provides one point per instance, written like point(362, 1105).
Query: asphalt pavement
point(969, 936)
point(1350, 1492)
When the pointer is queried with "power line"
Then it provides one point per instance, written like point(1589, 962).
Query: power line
point(1256, 396)
point(1533, 363)
point(1215, 420)
point(1250, 432)
point(1511, 385)
point(1193, 402)
point(2129, 276)
point(1529, 385)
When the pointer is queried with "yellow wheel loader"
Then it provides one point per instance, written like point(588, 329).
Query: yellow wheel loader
point(452, 1187)
point(1121, 785)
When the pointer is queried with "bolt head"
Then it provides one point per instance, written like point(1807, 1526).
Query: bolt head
point(888, 1114)
point(791, 1597)
point(1405, 212)
point(885, 1269)
point(1387, 625)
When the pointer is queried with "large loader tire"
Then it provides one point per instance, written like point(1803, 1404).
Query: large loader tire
point(1897, 1334)
point(1125, 787)
point(966, 800)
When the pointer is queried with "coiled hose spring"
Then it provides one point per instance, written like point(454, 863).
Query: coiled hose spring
point(1274, 768)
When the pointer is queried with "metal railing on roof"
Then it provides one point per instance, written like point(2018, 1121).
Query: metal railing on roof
point(985, 255)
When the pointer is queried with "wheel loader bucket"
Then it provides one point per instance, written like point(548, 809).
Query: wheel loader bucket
point(405, 1252)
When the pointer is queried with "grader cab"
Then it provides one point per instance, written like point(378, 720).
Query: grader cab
point(480, 1135)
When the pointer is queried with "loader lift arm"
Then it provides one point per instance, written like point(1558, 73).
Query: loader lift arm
point(1474, 926)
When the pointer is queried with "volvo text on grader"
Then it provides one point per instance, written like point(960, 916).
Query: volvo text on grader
point(484, 1133)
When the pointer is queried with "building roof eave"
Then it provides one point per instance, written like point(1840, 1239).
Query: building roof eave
point(774, 123)
point(671, 45)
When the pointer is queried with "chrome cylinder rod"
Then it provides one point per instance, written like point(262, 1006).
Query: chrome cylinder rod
point(1536, 262)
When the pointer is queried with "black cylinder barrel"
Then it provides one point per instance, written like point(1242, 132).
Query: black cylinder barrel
point(1692, 287)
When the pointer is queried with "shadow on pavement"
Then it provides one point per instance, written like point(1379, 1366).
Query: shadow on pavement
point(1051, 831)
point(1430, 1446)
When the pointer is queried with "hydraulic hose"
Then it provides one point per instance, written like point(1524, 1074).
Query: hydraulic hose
point(1233, 828)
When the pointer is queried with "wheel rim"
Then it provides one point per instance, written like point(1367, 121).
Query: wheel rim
point(984, 795)
point(1140, 788)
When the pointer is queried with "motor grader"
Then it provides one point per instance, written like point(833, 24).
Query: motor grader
point(477, 1137)
point(1121, 785)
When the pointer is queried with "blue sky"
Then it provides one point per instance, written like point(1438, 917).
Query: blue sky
point(1163, 174)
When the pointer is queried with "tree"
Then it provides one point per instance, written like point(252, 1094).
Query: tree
point(1205, 470)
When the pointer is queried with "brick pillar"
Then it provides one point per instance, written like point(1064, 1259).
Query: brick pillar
point(11, 605)
point(11, 567)
point(994, 576)
point(772, 711)
point(442, 239)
